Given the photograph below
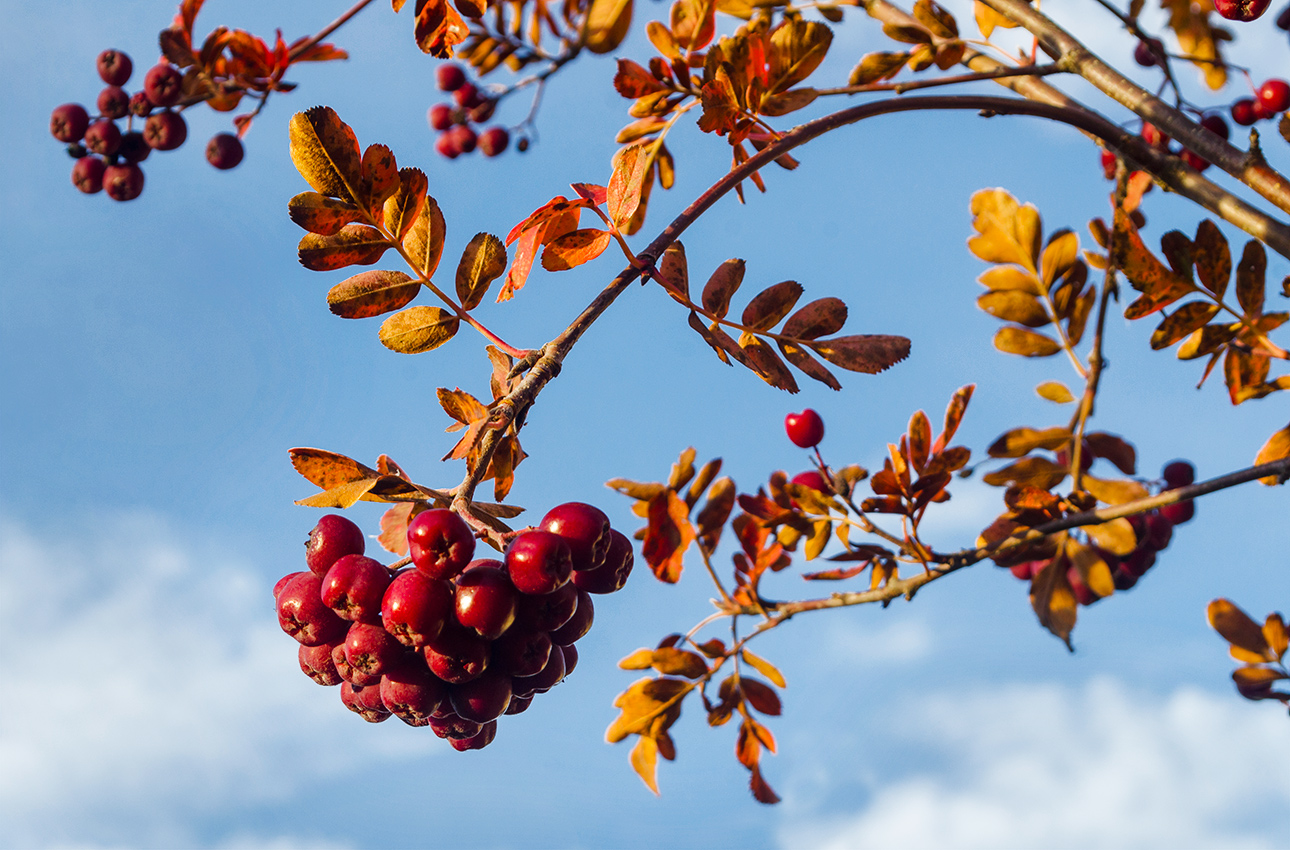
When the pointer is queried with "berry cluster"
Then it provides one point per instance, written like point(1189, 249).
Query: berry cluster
point(1241, 10)
point(456, 136)
point(450, 643)
point(107, 157)
point(1153, 531)
point(1269, 99)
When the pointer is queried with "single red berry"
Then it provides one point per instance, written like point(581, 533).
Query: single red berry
point(1274, 96)
point(371, 650)
point(579, 624)
point(585, 528)
point(1178, 473)
point(87, 174)
point(281, 583)
point(1179, 512)
point(365, 702)
point(813, 479)
point(440, 543)
point(1152, 135)
point(113, 102)
point(1159, 531)
point(69, 122)
point(450, 77)
point(538, 562)
point(165, 130)
point(549, 611)
point(224, 151)
point(1139, 561)
point(412, 693)
point(1195, 160)
point(1144, 54)
point(521, 652)
point(332, 538)
point(570, 658)
point(440, 116)
point(457, 654)
point(1241, 10)
point(134, 148)
point(478, 741)
point(302, 614)
point(448, 725)
point(114, 67)
point(1245, 111)
point(316, 663)
point(354, 588)
point(103, 137)
point(163, 85)
point(140, 105)
point(463, 138)
point(485, 601)
point(1283, 19)
point(348, 672)
point(612, 575)
point(1027, 570)
point(415, 607)
point(467, 96)
point(123, 182)
point(482, 699)
point(551, 675)
point(447, 146)
point(805, 429)
point(518, 704)
point(494, 140)
point(1108, 165)
point(1214, 123)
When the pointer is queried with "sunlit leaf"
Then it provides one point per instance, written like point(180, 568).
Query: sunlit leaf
point(1014, 306)
point(321, 214)
point(868, 353)
point(797, 47)
point(372, 294)
point(1182, 322)
point(762, 359)
point(424, 241)
point(1008, 232)
point(1114, 492)
point(325, 152)
point(1116, 536)
point(1055, 391)
point(573, 249)
point(326, 470)
point(407, 202)
point(483, 261)
point(644, 761)
point(624, 191)
point(418, 329)
point(352, 245)
point(770, 305)
point(1025, 343)
point(608, 22)
point(1276, 448)
point(1053, 601)
point(722, 286)
point(1237, 628)
point(1021, 441)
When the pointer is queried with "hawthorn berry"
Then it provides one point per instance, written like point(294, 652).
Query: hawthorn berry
point(1245, 111)
point(611, 577)
point(165, 130)
point(415, 607)
point(440, 116)
point(371, 650)
point(1241, 10)
point(134, 148)
point(1152, 135)
point(1214, 123)
point(579, 624)
point(463, 138)
point(518, 704)
point(281, 583)
point(114, 67)
point(570, 653)
point(440, 543)
point(354, 588)
point(123, 182)
point(1145, 52)
point(805, 429)
point(412, 693)
point(585, 528)
point(140, 106)
point(485, 601)
point(331, 539)
point(365, 702)
point(521, 652)
point(550, 676)
point(450, 77)
point(457, 654)
point(1178, 473)
point(481, 113)
point(1195, 160)
point(87, 174)
point(316, 663)
point(113, 102)
point(224, 151)
point(1179, 512)
point(302, 614)
point(103, 137)
point(1274, 96)
point(549, 611)
point(1283, 19)
point(467, 96)
point(446, 146)
point(538, 562)
point(347, 671)
point(482, 699)
point(163, 85)
point(813, 479)
point(494, 140)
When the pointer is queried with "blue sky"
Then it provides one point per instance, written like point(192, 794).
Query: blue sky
point(159, 358)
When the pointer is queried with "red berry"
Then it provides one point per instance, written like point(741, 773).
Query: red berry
point(163, 85)
point(412, 693)
point(467, 96)
point(1144, 54)
point(140, 105)
point(521, 652)
point(485, 601)
point(1159, 531)
point(478, 741)
point(579, 624)
point(371, 650)
point(518, 705)
point(494, 140)
point(331, 539)
point(1123, 579)
point(103, 137)
point(585, 528)
point(1195, 161)
point(450, 77)
point(1274, 96)
point(114, 67)
point(457, 654)
point(1283, 19)
point(484, 110)
point(415, 607)
point(1241, 10)
point(365, 702)
point(538, 562)
point(1179, 512)
point(805, 429)
point(69, 122)
point(551, 675)
point(1178, 473)
point(1027, 570)
point(549, 611)
point(482, 699)
point(612, 576)
point(446, 724)
point(134, 148)
point(113, 102)
point(813, 479)
point(354, 588)
point(1108, 165)
point(1142, 559)
point(87, 174)
point(1245, 112)
point(165, 131)
point(446, 145)
point(463, 138)
point(1214, 123)
point(224, 151)
point(302, 614)
point(282, 582)
point(570, 658)
point(440, 116)
point(1084, 595)
point(440, 543)
point(316, 663)
point(123, 182)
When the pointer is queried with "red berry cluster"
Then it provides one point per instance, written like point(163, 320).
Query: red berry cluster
point(1153, 531)
point(1241, 10)
point(1269, 99)
point(108, 157)
point(450, 643)
point(453, 122)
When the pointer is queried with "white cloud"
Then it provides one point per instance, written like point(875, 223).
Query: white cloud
point(1091, 767)
point(148, 685)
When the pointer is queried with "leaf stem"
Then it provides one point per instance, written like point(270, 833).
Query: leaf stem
point(329, 29)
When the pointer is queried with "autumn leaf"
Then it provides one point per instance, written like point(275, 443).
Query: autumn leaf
point(418, 329)
point(1054, 601)
point(372, 294)
point(482, 262)
point(320, 214)
point(868, 353)
point(1008, 232)
point(352, 245)
point(624, 191)
point(1276, 448)
point(668, 535)
point(403, 207)
point(325, 152)
point(424, 240)
point(575, 248)
point(326, 470)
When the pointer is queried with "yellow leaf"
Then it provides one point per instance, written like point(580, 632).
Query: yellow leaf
point(1114, 492)
point(1276, 448)
point(1116, 536)
point(325, 152)
point(1026, 343)
point(761, 665)
point(1009, 232)
point(1055, 391)
point(418, 329)
point(1238, 629)
point(645, 762)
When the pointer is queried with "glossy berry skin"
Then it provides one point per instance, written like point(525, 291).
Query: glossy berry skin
point(354, 588)
point(1178, 473)
point(163, 85)
point(1245, 111)
point(585, 528)
point(538, 562)
point(412, 693)
point(805, 429)
point(440, 116)
point(1214, 123)
point(281, 583)
point(365, 702)
point(165, 131)
point(103, 138)
point(494, 140)
point(415, 607)
point(579, 624)
point(612, 575)
point(482, 699)
point(457, 654)
point(485, 601)
point(302, 614)
point(133, 148)
point(87, 174)
point(521, 652)
point(478, 741)
point(123, 182)
point(69, 122)
point(813, 479)
point(1241, 10)
point(551, 675)
point(114, 67)
point(463, 138)
point(440, 543)
point(1274, 96)
point(370, 649)
point(549, 611)
point(316, 663)
point(225, 151)
point(450, 77)
point(331, 539)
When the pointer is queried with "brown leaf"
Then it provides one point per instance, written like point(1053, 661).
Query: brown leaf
point(418, 329)
point(1093, 570)
point(1054, 601)
point(483, 261)
point(353, 245)
point(799, 357)
point(876, 67)
point(678, 662)
point(624, 192)
point(403, 207)
point(1114, 449)
point(674, 272)
point(785, 102)
point(1009, 232)
point(761, 791)
point(760, 696)
point(770, 305)
point(936, 18)
point(818, 318)
point(1160, 286)
point(762, 359)
point(1187, 319)
point(716, 510)
point(954, 416)
point(1277, 447)
point(1021, 441)
point(868, 353)
point(424, 240)
point(692, 23)
point(1249, 278)
point(574, 249)
point(644, 701)
point(321, 214)
point(723, 284)
point(1238, 629)
point(1274, 632)
point(668, 535)
point(1035, 471)
point(1025, 343)
point(380, 177)
point(1207, 340)
point(1212, 257)
point(326, 470)
point(372, 293)
point(325, 152)
point(1061, 252)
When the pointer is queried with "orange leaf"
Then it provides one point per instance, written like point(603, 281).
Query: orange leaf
point(371, 294)
point(439, 28)
point(868, 353)
point(575, 248)
point(624, 191)
point(1238, 629)
point(818, 318)
point(325, 152)
point(644, 761)
point(1276, 448)
point(667, 537)
point(326, 470)
point(320, 214)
